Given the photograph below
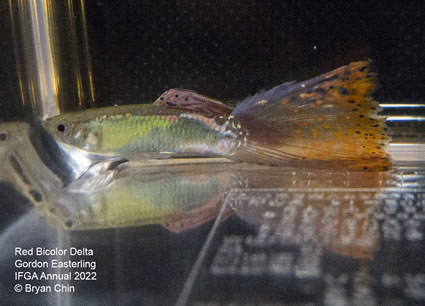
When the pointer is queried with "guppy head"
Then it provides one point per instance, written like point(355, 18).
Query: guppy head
point(65, 130)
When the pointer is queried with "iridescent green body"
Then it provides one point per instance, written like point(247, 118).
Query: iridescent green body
point(135, 129)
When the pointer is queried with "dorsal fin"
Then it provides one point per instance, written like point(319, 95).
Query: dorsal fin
point(190, 101)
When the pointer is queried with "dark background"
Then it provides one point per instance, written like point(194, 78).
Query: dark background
point(230, 49)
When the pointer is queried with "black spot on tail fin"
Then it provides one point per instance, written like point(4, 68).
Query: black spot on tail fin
point(315, 119)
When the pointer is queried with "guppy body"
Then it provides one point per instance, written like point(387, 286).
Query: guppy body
point(138, 129)
point(329, 120)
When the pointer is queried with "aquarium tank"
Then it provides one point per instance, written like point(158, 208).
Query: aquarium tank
point(212, 229)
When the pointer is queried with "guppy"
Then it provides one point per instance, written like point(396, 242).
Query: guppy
point(330, 120)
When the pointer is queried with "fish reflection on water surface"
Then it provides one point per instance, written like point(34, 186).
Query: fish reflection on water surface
point(177, 197)
point(183, 197)
point(328, 121)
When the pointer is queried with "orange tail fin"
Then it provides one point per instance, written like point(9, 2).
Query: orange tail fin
point(330, 118)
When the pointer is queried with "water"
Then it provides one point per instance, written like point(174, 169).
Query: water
point(207, 232)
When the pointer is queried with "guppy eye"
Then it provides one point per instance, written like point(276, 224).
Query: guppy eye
point(61, 127)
